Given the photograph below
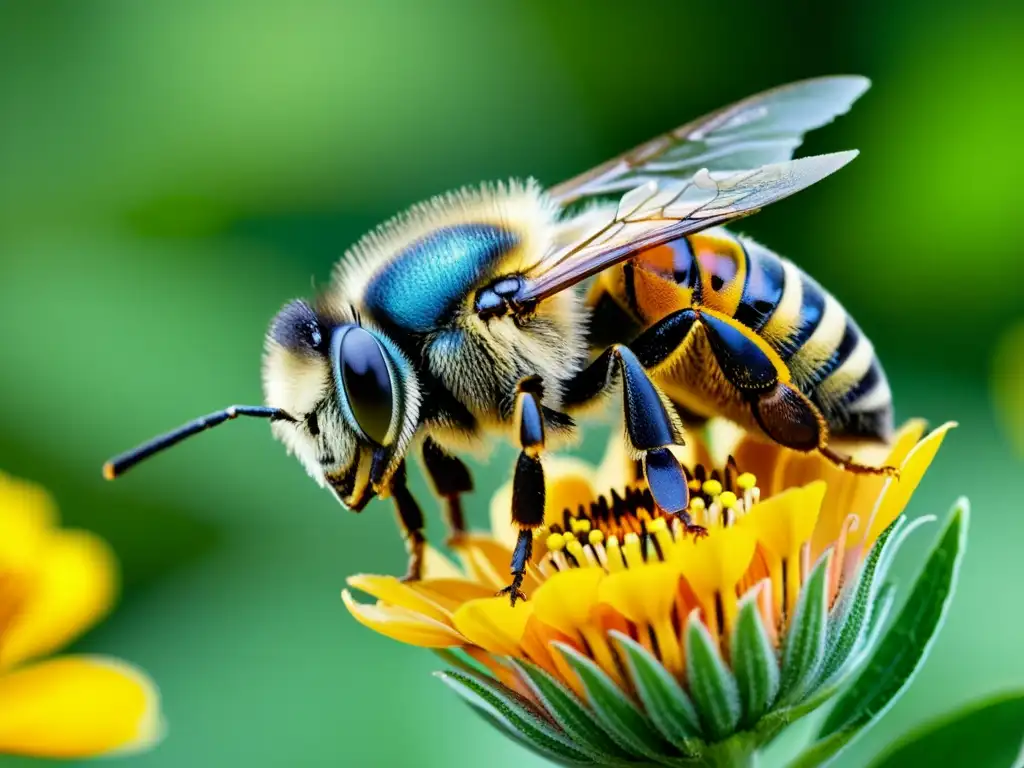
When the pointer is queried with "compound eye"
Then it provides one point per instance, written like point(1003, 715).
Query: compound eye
point(365, 381)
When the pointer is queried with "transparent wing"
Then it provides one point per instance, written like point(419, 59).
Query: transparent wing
point(762, 129)
point(661, 211)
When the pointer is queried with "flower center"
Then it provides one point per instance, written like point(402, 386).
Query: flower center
point(625, 530)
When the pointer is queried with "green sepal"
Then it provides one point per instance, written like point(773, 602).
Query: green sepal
point(902, 650)
point(504, 728)
point(514, 714)
point(664, 700)
point(754, 661)
point(574, 718)
point(619, 716)
point(804, 649)
point(984, 734)
point(712, 685)
point(855, 611)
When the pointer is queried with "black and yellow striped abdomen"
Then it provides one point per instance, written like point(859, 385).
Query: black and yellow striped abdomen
point(810, 339)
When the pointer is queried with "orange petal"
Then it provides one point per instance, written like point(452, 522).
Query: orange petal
point(77, 706)
point(75, 583)
point(402, 624)
point(761, 459)
point(494, 624)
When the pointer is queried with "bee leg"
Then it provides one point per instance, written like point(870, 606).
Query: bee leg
point(528, 484)
point(652, 425)
point(410, 520)
point(450, 478)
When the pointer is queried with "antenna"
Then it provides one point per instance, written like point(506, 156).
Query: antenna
point(118, 465)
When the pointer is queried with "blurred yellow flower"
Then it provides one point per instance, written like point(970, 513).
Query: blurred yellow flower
point(617, 591)
point(55, 584)
point(1008, 384)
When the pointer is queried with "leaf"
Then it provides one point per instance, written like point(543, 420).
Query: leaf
point(515, 714)
point(804, 648)
point(903, 648)
point(502, 726)
point(712, 685)
point(984, 734)
point(575, 719)
point(754, 662)
point(664, 700)
point(619, 716)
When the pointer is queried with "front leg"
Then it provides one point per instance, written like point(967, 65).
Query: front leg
point(528, 483)
point(450, 478)
point(651, 424)
point(410, 520)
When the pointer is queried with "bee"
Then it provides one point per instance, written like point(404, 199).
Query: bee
point(465, 319)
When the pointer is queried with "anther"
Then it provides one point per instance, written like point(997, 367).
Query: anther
point(746, 481)
point(712, 487)
point(595, 537)
point(556, 542)
point(727, 499)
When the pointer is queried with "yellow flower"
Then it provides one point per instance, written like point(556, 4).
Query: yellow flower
point(55, 584)
point(621, 599)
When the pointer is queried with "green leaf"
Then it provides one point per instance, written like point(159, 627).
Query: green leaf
point(754, 662)
point(515, 714)
point(712, 685)
point(664, 700)
point(619, 716)
point(985, 734)
point(562, 704)
point(804, 648)
point(903, 648)
point(502, 726)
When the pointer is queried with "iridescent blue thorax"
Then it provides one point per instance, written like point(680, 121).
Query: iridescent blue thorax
point(424, 284)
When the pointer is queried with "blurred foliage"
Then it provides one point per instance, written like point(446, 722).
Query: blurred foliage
point(171, 173)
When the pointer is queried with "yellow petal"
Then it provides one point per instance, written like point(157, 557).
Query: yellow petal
point(494, 624)
point(391, 591)
point(716, 562)
point(568, 602)
point(27, 514)
point(897, 491)
point(75, 583)
point(449, 594)
point(646, 596)
point(402, 624)
point(782, 523)
point(713, 567)
point(77, 706)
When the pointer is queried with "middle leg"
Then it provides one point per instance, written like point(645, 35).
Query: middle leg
point(652, 425)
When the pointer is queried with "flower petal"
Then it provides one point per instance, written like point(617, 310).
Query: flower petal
point(27, 513)
point(75, 583)
point(782, 523)
point(402, 624)
point(437, 566)
point(78, 706)
point(494, 624)
point(646, 596)
point(897, 491)
point(391, 591)
point(713, 566)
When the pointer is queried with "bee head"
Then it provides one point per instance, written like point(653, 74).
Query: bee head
point(353, 393)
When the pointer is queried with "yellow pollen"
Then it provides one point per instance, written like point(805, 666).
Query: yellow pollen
point(576, 550)
point(746, 481)
point(728, 499)
point(556, 542)
point(595, 537)
point(712, 487)
point(568, 536)
point(580, 526)
point(693, 485)
point(697, 503)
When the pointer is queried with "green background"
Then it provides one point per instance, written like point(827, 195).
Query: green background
point(171, 173)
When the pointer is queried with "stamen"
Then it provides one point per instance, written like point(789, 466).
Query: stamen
point(631, 549)
point(616, 562)
point(712, 487)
